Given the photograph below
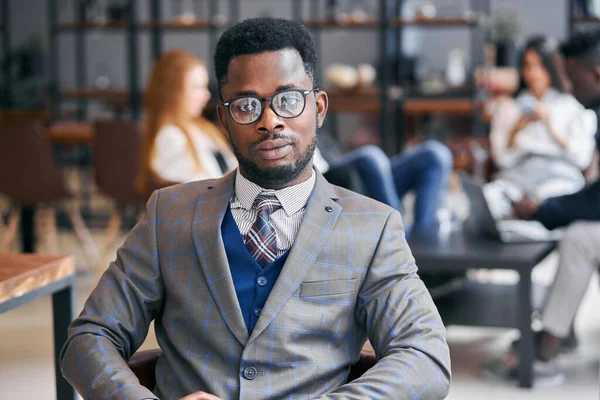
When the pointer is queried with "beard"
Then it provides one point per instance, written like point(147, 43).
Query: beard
point(268, 177)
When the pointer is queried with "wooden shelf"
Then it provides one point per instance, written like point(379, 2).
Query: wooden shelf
point(319, 23)
point(333, 23)
point(362, 100)
point(170, 25)
point(96, 94)
point(116, 96)
point(454, 106)
point(368, 100)
point(24, 115)
point(183, 25)
point(582, 19)
point(88, 25)
point(441, 22)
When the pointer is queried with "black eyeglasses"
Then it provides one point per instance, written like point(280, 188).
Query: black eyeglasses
point(249, 109)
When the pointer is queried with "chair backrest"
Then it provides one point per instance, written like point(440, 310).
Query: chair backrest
point(116, 160)
point(28, 171)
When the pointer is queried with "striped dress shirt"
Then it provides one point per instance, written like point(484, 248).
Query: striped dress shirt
point(286, 221)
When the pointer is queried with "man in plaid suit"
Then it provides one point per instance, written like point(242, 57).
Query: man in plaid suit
point(265, 283)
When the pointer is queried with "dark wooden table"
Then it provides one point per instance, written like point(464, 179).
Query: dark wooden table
point(27, 277)
point(478, 304)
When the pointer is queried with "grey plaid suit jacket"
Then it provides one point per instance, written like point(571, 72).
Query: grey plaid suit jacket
point(349, 276)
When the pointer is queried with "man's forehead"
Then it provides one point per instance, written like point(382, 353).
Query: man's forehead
point(283, 65)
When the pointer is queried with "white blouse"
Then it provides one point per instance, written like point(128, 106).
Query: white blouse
point(568, 118)
point(173, 161)
point(319, 161)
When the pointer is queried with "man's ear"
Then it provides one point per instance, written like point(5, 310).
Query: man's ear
point(322, 102)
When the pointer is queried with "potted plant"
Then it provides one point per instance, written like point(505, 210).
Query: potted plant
point(504, 31)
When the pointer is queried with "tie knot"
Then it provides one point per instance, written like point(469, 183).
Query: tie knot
point(267, 202)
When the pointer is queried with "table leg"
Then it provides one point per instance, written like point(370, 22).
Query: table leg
point(527, 343)
point(28, 229)
point(62, 309)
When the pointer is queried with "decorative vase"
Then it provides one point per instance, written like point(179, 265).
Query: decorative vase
point(506, 55)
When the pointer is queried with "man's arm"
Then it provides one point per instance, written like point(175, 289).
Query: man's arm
point(558, 212)
point(115, 319)
point(403, 325)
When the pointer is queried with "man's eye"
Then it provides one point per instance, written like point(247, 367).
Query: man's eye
point(247, 106)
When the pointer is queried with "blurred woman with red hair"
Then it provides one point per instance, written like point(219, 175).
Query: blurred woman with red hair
point(179, 144)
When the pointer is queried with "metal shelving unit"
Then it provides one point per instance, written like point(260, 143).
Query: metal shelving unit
point(129, 97)
point(6, 39)
point(388, 24)
point(576, 17)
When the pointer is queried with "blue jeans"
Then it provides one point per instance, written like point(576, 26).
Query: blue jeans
point(425, 169)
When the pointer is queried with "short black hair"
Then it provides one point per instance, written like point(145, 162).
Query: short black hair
point(585, 45)
point(259, 35)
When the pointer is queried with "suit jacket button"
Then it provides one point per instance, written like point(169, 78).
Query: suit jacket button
point(261, 281)
point(329, 209)
point(250, 373)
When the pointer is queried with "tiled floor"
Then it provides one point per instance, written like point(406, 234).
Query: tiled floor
point(26, 369)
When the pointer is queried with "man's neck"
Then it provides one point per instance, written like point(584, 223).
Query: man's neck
point(302, 177)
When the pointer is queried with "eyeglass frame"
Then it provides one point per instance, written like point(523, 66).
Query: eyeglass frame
point(269, 99)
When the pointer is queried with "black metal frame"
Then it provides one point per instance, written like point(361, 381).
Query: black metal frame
point(53, 62)
point(133, 60)
point(6, 39)
point(63, 306)
point(80, 57)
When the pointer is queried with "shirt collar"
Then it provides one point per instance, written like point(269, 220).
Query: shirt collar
point(292, 198)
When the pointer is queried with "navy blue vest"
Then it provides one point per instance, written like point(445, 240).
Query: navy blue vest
point(252, 283)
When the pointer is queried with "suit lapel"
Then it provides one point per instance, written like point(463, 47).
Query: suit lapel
point(208, 216)
point(319, 218)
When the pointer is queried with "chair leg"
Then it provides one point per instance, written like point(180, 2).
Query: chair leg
point(83, 235)
point(10, 233)
point(110, 237)
point(51, 239)
point(40, 228)
point(46, 230)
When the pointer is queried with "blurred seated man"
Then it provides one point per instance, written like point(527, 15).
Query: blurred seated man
point(579, 257)
point(424, 169)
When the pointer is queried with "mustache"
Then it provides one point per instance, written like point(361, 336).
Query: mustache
point(271, 136)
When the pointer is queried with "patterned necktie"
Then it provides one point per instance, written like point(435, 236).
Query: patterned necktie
point(261, 240)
